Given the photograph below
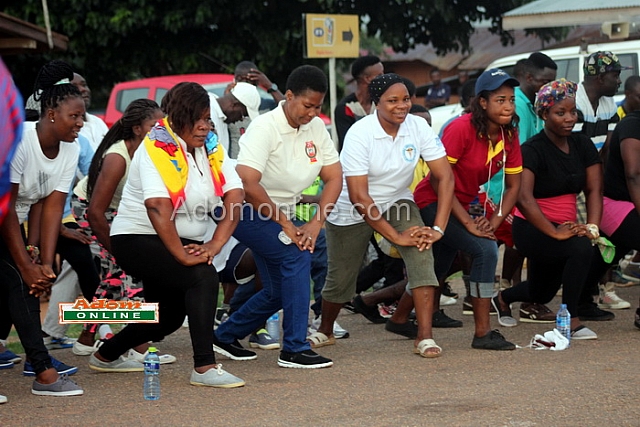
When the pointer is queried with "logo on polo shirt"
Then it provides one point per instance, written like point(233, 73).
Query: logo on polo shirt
point(311, 151)
point(409, 152)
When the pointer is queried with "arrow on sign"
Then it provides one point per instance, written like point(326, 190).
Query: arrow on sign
point(347, 36)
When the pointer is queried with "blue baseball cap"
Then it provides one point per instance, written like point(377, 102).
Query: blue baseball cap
point(493, 78)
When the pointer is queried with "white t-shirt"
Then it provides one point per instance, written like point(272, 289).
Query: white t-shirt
point(388, 163)
point(37, 175)
point(218, 118)
point(94, 130)
point(144, 182)
point(289, 159)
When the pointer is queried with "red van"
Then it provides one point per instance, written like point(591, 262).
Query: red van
point(155, 88)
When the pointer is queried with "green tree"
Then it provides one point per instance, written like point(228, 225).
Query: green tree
point(119, 40)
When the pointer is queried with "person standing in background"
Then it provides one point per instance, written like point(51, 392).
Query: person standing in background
point(358, 104)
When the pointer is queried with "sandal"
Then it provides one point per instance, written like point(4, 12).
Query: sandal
point(425, 345)
point(318, 339)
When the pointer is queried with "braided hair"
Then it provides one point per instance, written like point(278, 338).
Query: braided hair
point(136, 113)
point(53, 85)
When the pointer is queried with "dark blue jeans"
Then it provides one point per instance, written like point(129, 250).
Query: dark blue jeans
point(483, 253)
point(285, 274)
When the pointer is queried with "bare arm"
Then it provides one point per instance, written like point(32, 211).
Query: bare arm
point(630, 151)
point(113, 169)
point(361, 199)
point(160, 211)
point(509, 198)
point(531, 210)
point(593, 194)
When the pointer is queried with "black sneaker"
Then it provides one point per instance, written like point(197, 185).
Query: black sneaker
point(441, 320)
point(307, 359)
point(371, 313)
point(222, 314)
point(494, 340)
point(234, 350)
point(348, 306)
point(593, 313)
point(408, 329)
point(447, 291)
point(637, 321)
point(467, 307)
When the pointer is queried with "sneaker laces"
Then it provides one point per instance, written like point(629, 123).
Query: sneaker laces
point(219, 369)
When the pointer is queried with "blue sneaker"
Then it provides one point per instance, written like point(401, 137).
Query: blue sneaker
point(6, 364)
point(53, 343)
point(60, 367)
point(9, 356)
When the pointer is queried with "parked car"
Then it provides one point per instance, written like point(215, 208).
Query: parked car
point(155, 88)
point(569, 60)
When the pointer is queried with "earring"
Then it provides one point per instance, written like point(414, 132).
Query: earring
point(53, 121)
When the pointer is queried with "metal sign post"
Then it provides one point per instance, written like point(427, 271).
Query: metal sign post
point(332, 36)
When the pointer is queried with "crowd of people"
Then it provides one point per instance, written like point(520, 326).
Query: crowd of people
point(544, 166)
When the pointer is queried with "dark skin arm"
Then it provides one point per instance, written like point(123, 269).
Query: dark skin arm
point(160, 211)
point(531, 210)
point(358, 187)
point(630, 151)
point(232, 202)
point(441, 170)
point(331, 175)
point(37, 277)
point(113, 169)
point(509, 198)
point(478, 227)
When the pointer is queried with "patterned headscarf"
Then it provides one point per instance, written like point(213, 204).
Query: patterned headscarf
point(380, 84)
point(552, 93)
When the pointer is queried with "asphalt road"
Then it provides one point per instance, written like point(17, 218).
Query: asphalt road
point(376, 380)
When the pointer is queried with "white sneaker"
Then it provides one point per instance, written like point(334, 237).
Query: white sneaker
point(139, 357)
point(609, 300)
point(338, 331)
point(3, 399)
point(80, 349)
point(445, 300)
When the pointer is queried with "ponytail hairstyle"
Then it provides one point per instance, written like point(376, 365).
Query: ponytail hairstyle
point(135, 114)
point(480, 120)
point(53, 85)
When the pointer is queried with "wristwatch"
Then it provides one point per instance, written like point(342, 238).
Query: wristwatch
point(273, 88)
point(438, 229)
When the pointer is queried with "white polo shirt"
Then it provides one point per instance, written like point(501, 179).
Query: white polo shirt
point(94, 130)
point(191, 219)
point(37, 175)
point(289, 159)
point(388, 163)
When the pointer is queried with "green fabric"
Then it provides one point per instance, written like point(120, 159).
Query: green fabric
point(306, 211)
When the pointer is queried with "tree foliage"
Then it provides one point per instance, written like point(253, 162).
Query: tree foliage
point(118, 40)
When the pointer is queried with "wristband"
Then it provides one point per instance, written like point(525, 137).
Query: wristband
point(593, 230)
point(438, 229)
point(33, 250)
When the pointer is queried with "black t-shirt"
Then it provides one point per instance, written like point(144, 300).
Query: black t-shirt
point(615, 182)
point(558, 173)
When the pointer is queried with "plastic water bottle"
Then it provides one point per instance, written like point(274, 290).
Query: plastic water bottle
point(273, 326)
point(152, 375)
point(563, 322)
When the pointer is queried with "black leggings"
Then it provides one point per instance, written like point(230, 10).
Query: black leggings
point(79, 257)
point(625, 238)
point(179, 290)
point(550, 264)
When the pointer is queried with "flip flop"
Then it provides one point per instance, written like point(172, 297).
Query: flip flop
point(425, 345)
point(318, 339)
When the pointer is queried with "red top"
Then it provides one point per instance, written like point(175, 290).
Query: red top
point(474, 161)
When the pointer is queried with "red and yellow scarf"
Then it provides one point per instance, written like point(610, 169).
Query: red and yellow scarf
point(170, 159)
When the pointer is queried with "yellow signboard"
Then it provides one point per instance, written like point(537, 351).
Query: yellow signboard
point(332, 36)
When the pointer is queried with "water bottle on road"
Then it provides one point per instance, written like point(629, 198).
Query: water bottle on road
point(152, 375)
